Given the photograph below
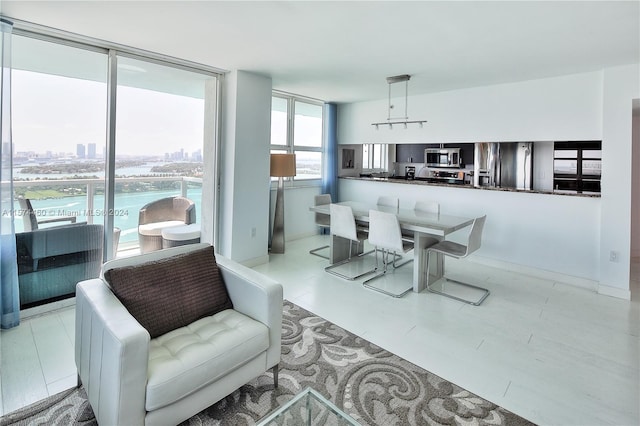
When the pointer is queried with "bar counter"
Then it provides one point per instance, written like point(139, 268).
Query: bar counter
point(466, 186)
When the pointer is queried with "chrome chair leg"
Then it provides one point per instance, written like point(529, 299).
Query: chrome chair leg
point(477, 303)
point(385, 263)
point(330, 268)
point(397, 257)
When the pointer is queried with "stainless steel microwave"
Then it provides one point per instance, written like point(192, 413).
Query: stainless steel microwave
point(442, 157)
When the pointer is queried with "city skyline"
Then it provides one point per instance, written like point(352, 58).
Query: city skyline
point(85, 153)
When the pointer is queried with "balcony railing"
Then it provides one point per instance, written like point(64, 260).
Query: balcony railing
point(91, 187)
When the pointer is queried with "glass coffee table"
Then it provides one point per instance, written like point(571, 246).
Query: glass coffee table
point(308, 408)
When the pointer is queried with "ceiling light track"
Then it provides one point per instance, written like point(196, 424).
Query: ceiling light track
point(399, 120)
point(390, 124)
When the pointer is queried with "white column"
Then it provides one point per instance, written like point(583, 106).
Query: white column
point(244, 190)
point(620, 87)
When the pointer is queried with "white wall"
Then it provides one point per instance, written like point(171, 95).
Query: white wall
point(563, 234)
point(561, 108)
point(621, 86)
point(244, 178)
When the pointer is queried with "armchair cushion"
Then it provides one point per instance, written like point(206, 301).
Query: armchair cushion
point(166, 294)
point(191, 357)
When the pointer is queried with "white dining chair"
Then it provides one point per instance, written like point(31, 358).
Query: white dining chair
point(427, 207)
point(422, 207)
point(385, 235)
point(343, 224)
point(323, 221)
point(459, 251)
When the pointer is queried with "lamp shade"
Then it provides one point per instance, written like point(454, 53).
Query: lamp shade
point(283, 165)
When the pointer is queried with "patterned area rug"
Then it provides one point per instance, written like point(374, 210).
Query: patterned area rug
point(370, 384)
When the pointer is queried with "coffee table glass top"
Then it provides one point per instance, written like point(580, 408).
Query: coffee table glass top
point(308, 408)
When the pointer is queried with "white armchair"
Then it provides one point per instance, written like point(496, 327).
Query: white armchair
point(133, 379)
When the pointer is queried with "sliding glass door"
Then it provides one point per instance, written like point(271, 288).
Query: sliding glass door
point(59, 128)
point(159, 139)
point(81, 186)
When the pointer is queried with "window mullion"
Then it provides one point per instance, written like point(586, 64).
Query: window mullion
point(291, 123)
point(110, 160)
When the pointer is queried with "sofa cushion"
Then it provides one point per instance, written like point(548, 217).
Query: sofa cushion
point(169, 293)
point(186, 359)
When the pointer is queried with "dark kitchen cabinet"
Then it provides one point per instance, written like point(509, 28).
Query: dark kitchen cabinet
point(416, 151)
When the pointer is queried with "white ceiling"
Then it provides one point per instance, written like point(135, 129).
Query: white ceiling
point(343, 51)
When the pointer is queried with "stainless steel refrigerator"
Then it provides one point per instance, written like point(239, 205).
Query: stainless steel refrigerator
point(503, 164)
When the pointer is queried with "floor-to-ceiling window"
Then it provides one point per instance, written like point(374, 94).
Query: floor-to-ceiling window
point(296, 127)
point(59, 128)
point(159, 139)
point(82, 178)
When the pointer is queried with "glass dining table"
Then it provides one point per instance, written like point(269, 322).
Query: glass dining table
point(427, 228)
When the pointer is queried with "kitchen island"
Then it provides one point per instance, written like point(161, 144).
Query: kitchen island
point(444, 183)
point(527, 231)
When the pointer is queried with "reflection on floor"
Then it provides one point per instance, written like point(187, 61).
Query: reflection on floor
point(552, 353)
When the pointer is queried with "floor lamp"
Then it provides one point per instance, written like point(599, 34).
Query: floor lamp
point(282, 165)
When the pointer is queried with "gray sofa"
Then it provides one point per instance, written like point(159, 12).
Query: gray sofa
point(134, 379)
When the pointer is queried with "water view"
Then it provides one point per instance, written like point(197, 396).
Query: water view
point(125, 213)
point(48, 203)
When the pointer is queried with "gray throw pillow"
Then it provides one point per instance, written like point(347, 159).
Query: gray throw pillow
point(166, 294)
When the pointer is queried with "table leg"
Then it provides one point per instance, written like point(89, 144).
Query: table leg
point(421, 242)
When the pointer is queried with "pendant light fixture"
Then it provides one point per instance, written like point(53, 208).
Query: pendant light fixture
point(404, 120)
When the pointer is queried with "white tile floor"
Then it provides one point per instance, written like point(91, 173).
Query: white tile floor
point(37, 358)
point(555, 354)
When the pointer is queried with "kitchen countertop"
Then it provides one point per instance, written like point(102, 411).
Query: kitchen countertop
point(430, 182)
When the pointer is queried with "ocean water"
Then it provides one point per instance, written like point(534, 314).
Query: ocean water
point(127, 205)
